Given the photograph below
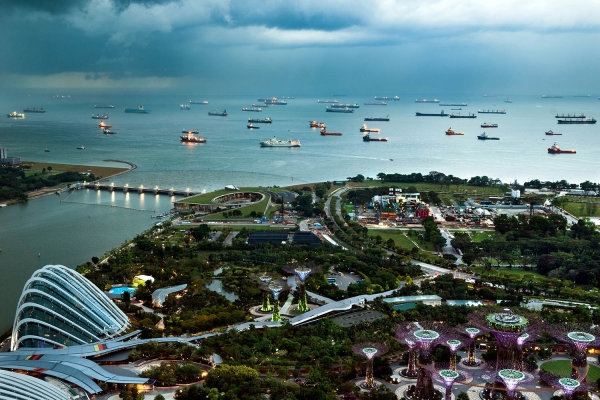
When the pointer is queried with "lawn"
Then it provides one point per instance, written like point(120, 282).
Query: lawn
point(562, 368)
point(514, 271)
point(426, 187)
point(260, 206)
point(36, 167)
point(206, 198)
point(583, 209)
point(399, 239)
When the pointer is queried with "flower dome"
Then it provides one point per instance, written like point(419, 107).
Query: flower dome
point(60, 307)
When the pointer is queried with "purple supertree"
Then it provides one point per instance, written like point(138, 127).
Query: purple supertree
point(453, 345)
point(511, 379)
point(579, 337)
point(404, 335)
point(302, 272)
point(521, 340)
point(472, 333)
point(448, 376)
point(506, 327)
point(570, 386)
point(369, 351)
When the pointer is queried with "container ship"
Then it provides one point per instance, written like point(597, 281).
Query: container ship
point(551, 97)
point(453, 104)
point(452, 115)
point(98, 116)
point(34, 110)
point(365, 129)
point(550, 133)
point(191, 138)
point(103, 106)
point(340, 105)
point(315, 124)
point(486, 125)
point(339, 110)
point(483, 136)
point(139, 110)
point(375, 103)
point(267, 120)
point(582, 115)
point(577, 121)
point(199, 102)
point(218, 113)
point(367, 138)
point(274, 142)
point(254, 109)
point(440, 114)
point(554, 149)
point(276, 102)
point(328, 101)
point(452, 133)
point(491, 111)
point(377, 118)
point(325, 133)
point(385, 98)
point(427, 101)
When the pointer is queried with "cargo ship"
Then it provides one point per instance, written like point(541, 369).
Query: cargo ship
point(274, 142)
point(218, 113)
point(267, 120)
point(276, 102)
point(325, 133)
point(260, 105)
point(139, 110)
point(440, 114)
point(365, 129)
point(453, 104)
point(551, 97)
point(340, 105)
point(315, 124)
point(582, 115)
point(104, 125)
point(577, 121)
point(15, 114)
point(108, 131)
point(34, 110)
point(339, 110)
point(452, 115)
point(367, 138)
point(554, 149)
point(373, 103)
point(491, 111)
point(98, 116)
point(550, 133)
point(328, 101)
point(103, 106)
point(377, 118)
point(452, 133)
point(483, 136)
point(250, 126)
point(386, 98)
point(199, 102)
point(486, 125)
point(427, 101)
point(194, 131)
point(265, 99)
point(254, 109)
point(191, 138)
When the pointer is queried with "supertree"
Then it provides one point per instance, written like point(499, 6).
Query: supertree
point(570, 386)
point(302, 272)
point(276, 289)
point(579, 337)
point(472, 333)
point(404, 335)
point(369, 350)
point(506, 327)
point(453, 345)
point(521, 340)
point(511, 379)
point(448, 376)
point(266, 305)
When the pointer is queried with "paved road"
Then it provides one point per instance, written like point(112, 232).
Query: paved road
point(229, 238)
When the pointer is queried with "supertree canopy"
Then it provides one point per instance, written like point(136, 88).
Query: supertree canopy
point(579, 337)
point(369, 351)
point(448, 376)
point(472, 333)
point(511, 379)
point(453, 345)
point(265, 280)
point(506, 327)
point(568, 386)
point(302, 272)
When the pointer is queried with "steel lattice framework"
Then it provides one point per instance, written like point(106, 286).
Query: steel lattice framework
point(369, 350)
point(579, 337)
point(302, 272)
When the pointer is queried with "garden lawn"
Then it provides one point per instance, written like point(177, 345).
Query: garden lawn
point(260, 206)
point(583, 209)
point(36, 167)
point(563, 368)
point(399, 239)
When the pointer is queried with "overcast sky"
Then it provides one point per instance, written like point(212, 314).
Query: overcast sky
point(304, 46)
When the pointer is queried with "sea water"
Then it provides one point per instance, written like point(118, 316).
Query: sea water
point(72, 232)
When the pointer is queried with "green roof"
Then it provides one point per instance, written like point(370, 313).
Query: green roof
point(407, 299)
point(404, 306)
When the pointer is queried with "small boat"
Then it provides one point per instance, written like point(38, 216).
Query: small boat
point(185, 107)
point(196, 131)
point(15, 114)
point(365, 129)
point(81, 147)
point(218, 113)
point(550, 133)
point(274, 142)
point(98, 116)
point(508, 101)
point(108, 131)
point(315, 124)
point(325, 133)
point(554, 149)
point(191, 138)
point(46, 150)
point(484, 136)
point(367, 138)
point(451, 132)
point(250, 126)
point(486, 125)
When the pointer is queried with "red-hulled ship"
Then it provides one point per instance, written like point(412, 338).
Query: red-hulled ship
point(451, 132)
point(325, 133)
point(554, 149)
